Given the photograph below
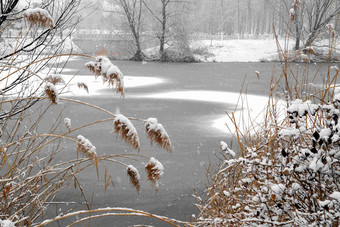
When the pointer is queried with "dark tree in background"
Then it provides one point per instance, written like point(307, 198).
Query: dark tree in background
point(133, 10)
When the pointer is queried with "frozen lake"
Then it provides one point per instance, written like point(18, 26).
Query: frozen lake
point(189, 100)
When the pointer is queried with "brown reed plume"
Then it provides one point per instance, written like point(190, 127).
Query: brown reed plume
point(39, 17)
point(85, 146)
point(67, 122)
point(156, 133)
point(154, 170)
point(54, 79)
point(134, 176)
point(51, 92)
point(128, 132)
point(84, 86)
point(109, 72)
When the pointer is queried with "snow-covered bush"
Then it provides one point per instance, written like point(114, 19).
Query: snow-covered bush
point(287, 171)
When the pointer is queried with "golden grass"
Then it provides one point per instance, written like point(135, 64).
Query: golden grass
point(32, 173)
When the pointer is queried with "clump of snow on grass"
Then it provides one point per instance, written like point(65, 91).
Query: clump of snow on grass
point(302, 108)
point(325, 133)
point(224, 147)
point(86, 147)
point(67, 122)
point(335, 195)
point(7, 223)
point(158, 166)
point(289, 132)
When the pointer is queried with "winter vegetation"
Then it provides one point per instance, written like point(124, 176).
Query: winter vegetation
point(286, 172)
point(32, 173)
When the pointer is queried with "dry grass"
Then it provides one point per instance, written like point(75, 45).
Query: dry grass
point(39, 17)
point(32, 172)
point(128, 132)
point(109, 73)
point(287, 173)
point(51, 92)
point(157, 134)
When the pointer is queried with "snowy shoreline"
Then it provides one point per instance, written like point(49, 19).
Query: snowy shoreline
point(244, 50)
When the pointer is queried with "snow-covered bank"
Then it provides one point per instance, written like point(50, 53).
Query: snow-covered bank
point(250, 50)
point(236, 50)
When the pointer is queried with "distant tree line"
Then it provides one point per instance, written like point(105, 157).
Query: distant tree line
point(177, 21)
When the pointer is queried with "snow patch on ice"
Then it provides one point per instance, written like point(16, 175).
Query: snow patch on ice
point(253, 104)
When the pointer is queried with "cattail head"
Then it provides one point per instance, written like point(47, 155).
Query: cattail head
point(85, 146)
point(39, 17)
point(128, 132)
point(67, 122)
point(84, 86)
point(54, 79)
point(156, 133)
point(51, 92)
point(134, 176)
point(154, 170)
point(109, 72)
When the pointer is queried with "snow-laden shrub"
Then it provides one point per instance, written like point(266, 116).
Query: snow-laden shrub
point(292, 180)
point(287, 171)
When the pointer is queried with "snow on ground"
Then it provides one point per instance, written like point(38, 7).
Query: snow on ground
point(238, 50)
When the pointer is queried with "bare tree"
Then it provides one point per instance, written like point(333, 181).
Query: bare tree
point(133, 10)
point(319, 14)
point(31, 44)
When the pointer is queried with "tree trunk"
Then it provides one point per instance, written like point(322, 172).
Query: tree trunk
point(297, 28)
point(162, 52)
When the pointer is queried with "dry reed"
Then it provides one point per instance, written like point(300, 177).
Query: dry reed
point(287, 173)
point(156, 133)
point(84, 86)
point(128, 132)
point(51, 92)
point(154, 171)
point(109, 72)
point(134, 176)
point(39, 17)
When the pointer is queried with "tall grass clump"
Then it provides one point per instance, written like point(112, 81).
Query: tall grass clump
point(287, 172)
point(32, 172)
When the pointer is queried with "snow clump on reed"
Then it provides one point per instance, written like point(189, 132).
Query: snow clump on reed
point(52, 92)
point(128, 132)
point(85, 146)
point(39, 17)
point(156, 133)
point(154, 170)
point(134, 176)
point(109, 72)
